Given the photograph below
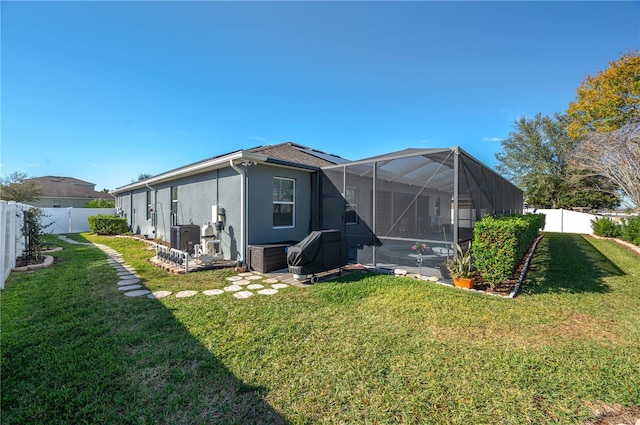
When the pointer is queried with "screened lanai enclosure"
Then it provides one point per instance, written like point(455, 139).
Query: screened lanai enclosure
point(387, 204)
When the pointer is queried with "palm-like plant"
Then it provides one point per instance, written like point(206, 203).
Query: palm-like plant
point(460, 266)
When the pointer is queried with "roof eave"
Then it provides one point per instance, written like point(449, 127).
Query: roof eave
point(191, 170)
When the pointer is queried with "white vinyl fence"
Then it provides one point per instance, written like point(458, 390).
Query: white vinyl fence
point(11, 242)
point(54, 220)
point(70, 220)
point(567, 221)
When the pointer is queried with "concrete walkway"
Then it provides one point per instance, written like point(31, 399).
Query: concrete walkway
point(241, 286)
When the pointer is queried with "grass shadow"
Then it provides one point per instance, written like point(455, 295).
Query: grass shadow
point(568, 263)
point(76, 350)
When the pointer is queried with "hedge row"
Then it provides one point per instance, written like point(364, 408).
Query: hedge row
point(629, 230)
point(108, 224)
point(500, 243)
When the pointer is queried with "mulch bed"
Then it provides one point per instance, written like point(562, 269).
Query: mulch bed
point(505, 287)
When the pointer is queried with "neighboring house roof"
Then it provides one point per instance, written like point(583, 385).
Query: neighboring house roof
point(67, 187)
point(286, 154)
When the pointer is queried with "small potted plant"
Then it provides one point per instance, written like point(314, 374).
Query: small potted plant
point(460, 268)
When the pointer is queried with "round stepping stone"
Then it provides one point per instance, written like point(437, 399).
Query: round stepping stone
point(129, 287)
point(242, 282)
point(279, 286)
point(270, 280)
point(185, 294)
point(137, 293)
point(245, 274)
point(268, 291)
point(400, 272)
point(213, 292)
point(433, 279)
point(255, 286)
point(125, 282)
point(243, 294)
point(232, 288)
point(159, 294)
point(254, 277)
point(234, 278)
point(127, 277)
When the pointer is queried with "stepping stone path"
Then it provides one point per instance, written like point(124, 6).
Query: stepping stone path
point(242, 286)
point(160, 294)
point(185, 294)
point(243, 294)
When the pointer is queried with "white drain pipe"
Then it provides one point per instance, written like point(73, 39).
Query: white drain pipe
point(243, 244)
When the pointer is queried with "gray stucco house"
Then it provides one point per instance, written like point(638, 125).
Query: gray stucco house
point(269, 194)
point(279, 193)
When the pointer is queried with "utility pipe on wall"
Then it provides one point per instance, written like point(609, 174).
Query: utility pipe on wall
point(243, 244)
point(155, 211)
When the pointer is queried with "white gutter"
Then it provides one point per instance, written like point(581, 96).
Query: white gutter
point(197, 168)
point(243, 233)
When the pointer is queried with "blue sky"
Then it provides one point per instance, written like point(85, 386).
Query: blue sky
point(104, 91)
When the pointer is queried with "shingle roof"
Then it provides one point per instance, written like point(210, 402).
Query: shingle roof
point(68, 187)
point(299, 154)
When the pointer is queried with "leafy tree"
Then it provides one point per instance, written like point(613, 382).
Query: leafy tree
point(615, 155)
point(535, 157)
point(607, 100)
point(101, 203)
point(141, 176)
point(18, 187)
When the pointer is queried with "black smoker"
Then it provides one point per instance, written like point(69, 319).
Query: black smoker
point(318, 252)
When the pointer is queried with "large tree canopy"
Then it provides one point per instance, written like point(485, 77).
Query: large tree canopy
point(615, 155)
point(607, 100)
point(17, 187)
point(535, 156)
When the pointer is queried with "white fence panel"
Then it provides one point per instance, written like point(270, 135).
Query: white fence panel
point(70, 220)
point(57, 220)
point(567, 221)
point(11, 244)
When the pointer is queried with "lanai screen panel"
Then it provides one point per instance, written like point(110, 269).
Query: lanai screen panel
point(482, 192)
point(413, 204)
point(386, 204)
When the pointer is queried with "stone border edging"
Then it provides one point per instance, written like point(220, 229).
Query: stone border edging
point(634, 248)
point(48, 260)
point(523, 273)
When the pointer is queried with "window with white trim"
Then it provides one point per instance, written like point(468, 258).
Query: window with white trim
point(284, 196)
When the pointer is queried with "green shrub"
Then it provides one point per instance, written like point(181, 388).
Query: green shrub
point(499, 243)
point(605, 227)
point(108, 225)
point(101, 203)
point(630, 231)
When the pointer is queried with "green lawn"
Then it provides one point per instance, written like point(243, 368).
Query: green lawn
point(366, 349)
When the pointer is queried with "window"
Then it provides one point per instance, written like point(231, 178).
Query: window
point(149, 205)
point(57, 204)
point(283, 202)
point(351, 215)
point(174, 205)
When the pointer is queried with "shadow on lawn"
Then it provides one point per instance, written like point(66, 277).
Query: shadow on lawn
point(110, 358)
point(568, 263)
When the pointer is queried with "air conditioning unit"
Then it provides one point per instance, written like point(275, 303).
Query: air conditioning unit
point(184, 237)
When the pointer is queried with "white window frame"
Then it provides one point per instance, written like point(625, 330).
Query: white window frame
point(292, 203)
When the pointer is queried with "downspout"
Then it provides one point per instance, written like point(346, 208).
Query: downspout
point(243, 244)
point(155, 211)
